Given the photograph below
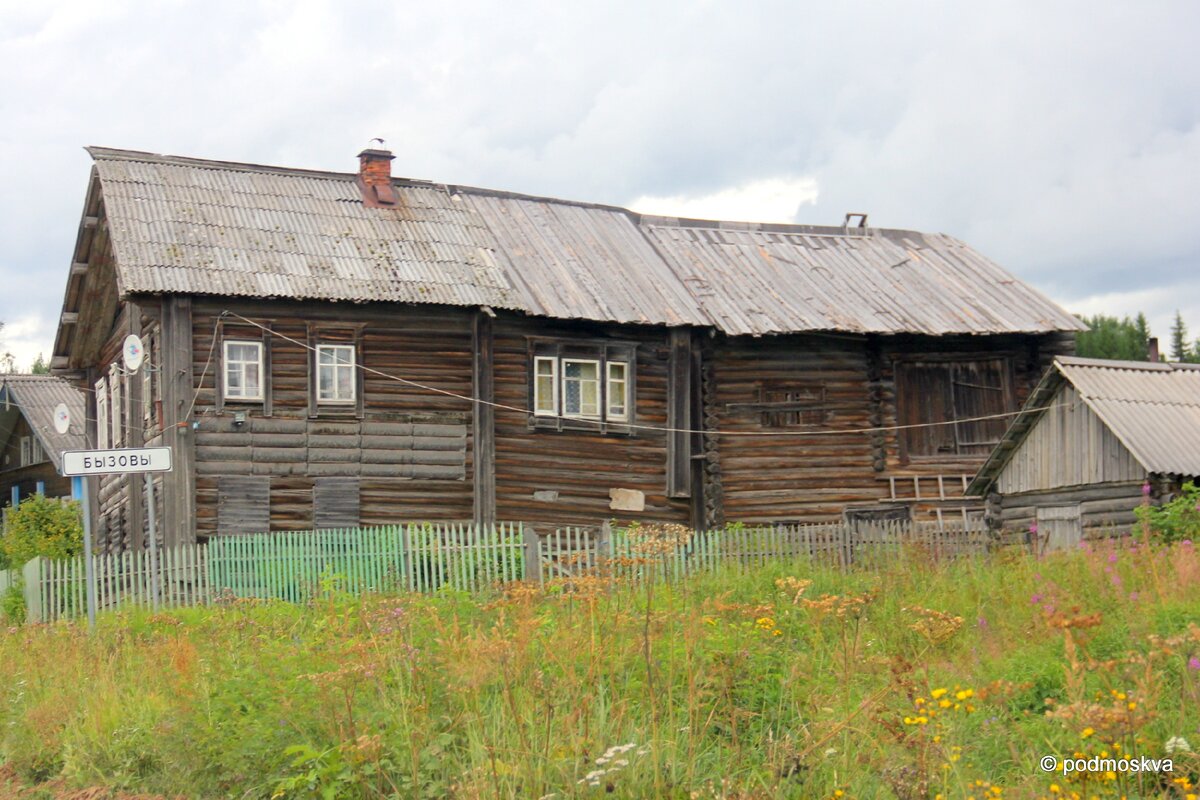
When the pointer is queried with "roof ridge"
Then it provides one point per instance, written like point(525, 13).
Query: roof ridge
point(99, 152)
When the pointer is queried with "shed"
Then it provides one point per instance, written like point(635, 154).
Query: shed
point(1091, 435)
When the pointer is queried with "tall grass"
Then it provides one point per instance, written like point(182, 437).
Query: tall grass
point(907, 681)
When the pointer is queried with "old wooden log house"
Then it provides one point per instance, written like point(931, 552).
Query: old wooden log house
point(329, 349)
point(30, 444)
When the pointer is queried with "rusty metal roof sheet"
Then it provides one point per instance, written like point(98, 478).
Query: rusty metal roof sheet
point(183, 225)
point(1152, 408)
point(36, 396)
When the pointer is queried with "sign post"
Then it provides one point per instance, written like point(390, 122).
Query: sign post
point(130, 460)
point(79, 486)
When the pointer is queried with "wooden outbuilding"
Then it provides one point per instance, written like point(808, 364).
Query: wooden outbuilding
point(1097, 438)
point(332, 349)
point(30, 444)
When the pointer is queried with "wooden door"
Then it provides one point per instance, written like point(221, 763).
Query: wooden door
point(1059, 527)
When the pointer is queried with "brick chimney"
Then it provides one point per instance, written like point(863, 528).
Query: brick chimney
point(375, 177)
point(1152, 349)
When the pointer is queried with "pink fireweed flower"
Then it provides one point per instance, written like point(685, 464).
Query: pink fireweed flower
point(1146, 489)
point(1194, 663)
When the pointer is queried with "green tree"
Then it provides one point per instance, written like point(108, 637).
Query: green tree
point(1109, 337)
point(40, 366)
point(1180, 350)
point(41, 526)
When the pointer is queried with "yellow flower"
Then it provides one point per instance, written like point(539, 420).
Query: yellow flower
point(945, 703)
point(965, 694)
point(936, 693)
point(1132, 705)
point(1054, 789)
point(1086, 733)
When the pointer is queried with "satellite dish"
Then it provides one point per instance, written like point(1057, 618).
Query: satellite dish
point(62, 418)
point(133, 352)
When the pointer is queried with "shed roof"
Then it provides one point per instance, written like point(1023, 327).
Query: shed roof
point(1152, 408)
point(190, 226)
point(36, 397)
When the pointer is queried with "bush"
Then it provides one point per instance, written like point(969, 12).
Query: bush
point(1176, 520)
point(12, 605)
point(40, 526)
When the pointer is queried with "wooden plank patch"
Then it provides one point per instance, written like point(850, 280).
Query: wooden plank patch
point(243, 504)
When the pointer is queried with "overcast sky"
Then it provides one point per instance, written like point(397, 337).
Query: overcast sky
point(1060, 139)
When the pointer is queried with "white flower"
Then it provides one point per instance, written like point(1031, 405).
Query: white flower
point(1177, 744)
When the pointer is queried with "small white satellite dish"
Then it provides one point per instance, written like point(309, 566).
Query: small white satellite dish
point(132, 352)
point(62, 418)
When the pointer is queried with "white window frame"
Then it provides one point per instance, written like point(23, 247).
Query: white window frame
point(227, 361)
point(102, 419)
point(537, 398)
point(599, 388)
point(26, 451)
point(352, 366)
point(623, 416)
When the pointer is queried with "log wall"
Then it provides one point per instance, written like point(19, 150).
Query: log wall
point(552, 478)
point(407, 447)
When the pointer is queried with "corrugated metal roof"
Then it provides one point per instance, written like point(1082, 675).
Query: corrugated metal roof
point(196, 227)
point(1152, 408)
point(585, 262)
point(773, 280)
point(37, 396)
point(205, 227)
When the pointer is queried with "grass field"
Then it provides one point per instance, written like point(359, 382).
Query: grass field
point(909, 681)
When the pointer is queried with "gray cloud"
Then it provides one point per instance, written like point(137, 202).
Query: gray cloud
point(1060, 139)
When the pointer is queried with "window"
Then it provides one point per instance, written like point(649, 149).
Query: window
point(618, 390)
point(31, 451)
point(958, 392)
point(586, 382)
point(545, 386)
point(580, 388)
point(116, 385)
point(336, 376)
point(102, 418)
point(243, 371)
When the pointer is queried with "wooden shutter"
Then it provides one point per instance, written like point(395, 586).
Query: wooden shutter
point(335, 503)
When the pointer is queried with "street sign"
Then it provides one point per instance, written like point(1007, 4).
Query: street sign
point(116, 462)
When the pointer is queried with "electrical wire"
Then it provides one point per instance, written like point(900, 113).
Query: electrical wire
point(623, 425)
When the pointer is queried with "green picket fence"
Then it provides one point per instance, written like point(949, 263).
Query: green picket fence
point(297, 565)
point(294, 565)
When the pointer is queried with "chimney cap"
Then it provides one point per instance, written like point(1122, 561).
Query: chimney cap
point(374, 153)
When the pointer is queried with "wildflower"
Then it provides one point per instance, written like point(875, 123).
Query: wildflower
point(1194, 663)
point(937, 693)
point(1177, 744)
point(1086, 732)
point(965, 694)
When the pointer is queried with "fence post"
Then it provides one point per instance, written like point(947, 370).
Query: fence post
point(533, 556)
point(31, 576)
point(604, 547)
